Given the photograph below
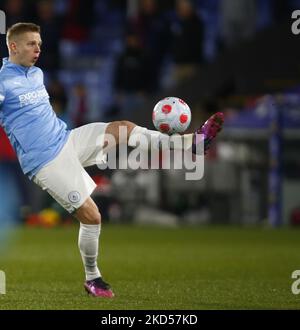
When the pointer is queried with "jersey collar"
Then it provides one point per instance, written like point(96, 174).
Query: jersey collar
point(8, 64)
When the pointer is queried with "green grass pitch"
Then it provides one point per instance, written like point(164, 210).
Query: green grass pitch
point(155, 268)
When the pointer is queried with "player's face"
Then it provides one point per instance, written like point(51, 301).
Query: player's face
point(27, 48)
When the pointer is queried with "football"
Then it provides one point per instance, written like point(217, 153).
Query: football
point(171, 115)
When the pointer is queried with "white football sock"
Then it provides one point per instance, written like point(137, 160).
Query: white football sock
point(88, 245)
point(185, 143)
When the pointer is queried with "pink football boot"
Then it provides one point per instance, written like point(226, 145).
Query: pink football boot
point(98, 288)
point(209, 130)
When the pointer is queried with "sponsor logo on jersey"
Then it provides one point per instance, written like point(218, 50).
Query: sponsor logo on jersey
point(33, 97)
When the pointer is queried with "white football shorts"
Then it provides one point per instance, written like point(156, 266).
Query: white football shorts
point(64, 177)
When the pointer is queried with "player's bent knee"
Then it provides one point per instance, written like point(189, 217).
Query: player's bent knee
point(88, 213)
point(94, 218)
point(89, 217)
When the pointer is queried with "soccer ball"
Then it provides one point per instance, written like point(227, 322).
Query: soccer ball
point(171, 115)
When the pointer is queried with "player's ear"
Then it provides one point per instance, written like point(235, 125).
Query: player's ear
point(12, 45)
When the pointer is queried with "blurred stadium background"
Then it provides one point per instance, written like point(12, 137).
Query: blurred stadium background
point(107, 60)
point(114, 59)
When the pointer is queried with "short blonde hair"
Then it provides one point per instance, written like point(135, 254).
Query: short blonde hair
point(20, 28)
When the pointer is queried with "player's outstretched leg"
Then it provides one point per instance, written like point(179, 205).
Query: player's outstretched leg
point(209, 130)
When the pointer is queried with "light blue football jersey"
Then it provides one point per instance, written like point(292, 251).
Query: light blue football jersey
point(34, 130)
